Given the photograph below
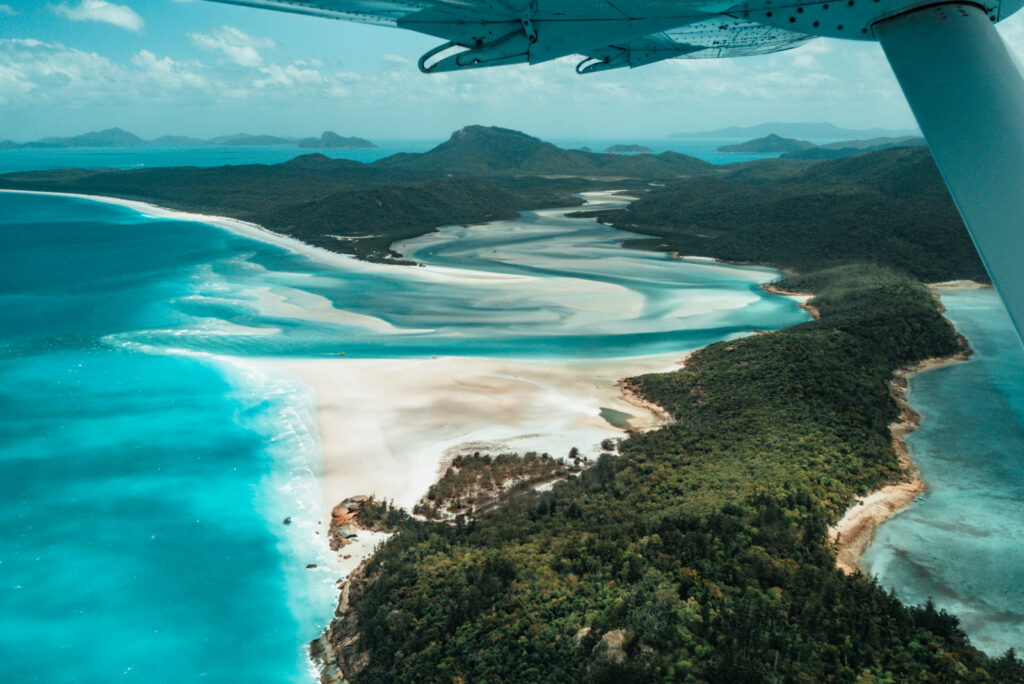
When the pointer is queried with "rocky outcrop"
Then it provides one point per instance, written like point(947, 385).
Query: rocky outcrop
point(337, 652)
point(344, 521)
point(611, 648)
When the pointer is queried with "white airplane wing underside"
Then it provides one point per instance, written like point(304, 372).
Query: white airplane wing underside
point(610, 34)
point(720, 36)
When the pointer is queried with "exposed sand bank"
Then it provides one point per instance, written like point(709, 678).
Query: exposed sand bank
point(959, 285)
point(855, 531)
point(386, 425)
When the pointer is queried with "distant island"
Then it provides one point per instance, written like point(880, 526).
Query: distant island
point(118, 137)
point(853, 148)
point(812, 130)
point(768, 144)
point(628, 149)
point(791, 148)
point(330, 140)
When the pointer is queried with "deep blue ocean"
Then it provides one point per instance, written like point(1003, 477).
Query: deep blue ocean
point(147, 462)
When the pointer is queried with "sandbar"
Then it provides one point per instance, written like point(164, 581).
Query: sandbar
point(387, 425)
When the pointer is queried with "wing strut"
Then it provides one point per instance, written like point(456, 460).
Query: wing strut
point(967, 94)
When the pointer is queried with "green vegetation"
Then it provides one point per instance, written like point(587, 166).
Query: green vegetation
point(889, 207)
point(379, 515)
point(768, 144)
point(802, 149)
point(481, 174)
point(487, 151)
point(336, 204)
point(474, 484)
point(886, 207)
point(700, 553)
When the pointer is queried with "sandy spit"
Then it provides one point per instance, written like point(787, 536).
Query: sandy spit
point(257, 232)
point(802, 298)
point(959, 285)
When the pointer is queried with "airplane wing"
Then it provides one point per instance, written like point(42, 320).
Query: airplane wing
point(384, 12)
point(484, 33)
point(720, 36)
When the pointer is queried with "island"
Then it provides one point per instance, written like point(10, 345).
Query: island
point(330, 140)
point(815, 130)
point(770, 144)
point(628, 149)
point(118, 137)
point(480, 174)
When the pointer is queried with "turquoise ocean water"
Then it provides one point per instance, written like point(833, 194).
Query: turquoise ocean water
point(147, 463)
point(960, 544)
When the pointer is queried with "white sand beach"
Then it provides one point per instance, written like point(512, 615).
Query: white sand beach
point(257, 232)
point(386, 426)
point(854, 532)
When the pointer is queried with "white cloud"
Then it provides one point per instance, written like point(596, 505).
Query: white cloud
point(171, 74)
point(34, 74)
point(848, 83)
point(238, 46)
point(289, 76)
point(102, 11)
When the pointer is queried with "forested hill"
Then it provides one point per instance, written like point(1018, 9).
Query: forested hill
point(888, 207)
point(481, 174)
point(487, 150)
point(700, 553)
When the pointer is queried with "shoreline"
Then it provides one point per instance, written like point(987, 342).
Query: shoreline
point(255, 231)
point(485, 385)
point(802, 298)
point(852, 534)
point(489, 383)
point(400, 412)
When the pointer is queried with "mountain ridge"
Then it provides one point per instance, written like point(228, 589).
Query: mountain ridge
point(490, 150)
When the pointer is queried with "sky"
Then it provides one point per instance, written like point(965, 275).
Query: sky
point(191, 67)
